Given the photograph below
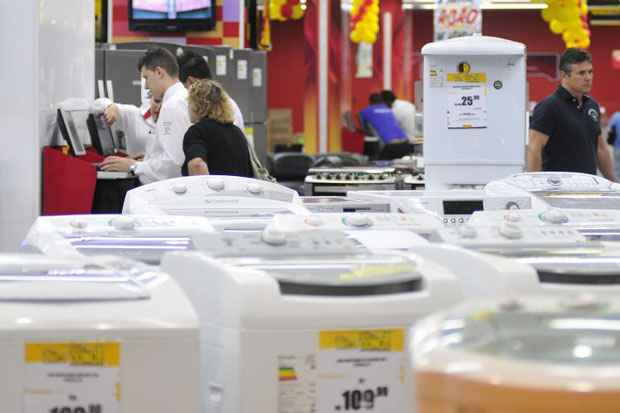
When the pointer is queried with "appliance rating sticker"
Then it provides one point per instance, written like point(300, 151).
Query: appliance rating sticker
point(72, 377)
point(362, 370)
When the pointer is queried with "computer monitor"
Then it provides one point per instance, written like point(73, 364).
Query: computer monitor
point(72, 130)
point(171, 16)
point(101, 135)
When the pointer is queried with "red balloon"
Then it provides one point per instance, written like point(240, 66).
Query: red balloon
point(287, 11)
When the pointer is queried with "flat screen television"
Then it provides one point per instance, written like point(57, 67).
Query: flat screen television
point(171, 15)
point(101, 134)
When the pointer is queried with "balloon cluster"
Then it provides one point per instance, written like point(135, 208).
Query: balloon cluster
point(570, 19)
point(283, 10)
point(364, 21)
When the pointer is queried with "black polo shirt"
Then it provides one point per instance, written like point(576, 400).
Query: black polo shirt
point(573, 132)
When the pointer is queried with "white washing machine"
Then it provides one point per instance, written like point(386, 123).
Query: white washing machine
point(564, 259)
point(230, 202)
point(142, 237)
point(453, 206)
point(566, 190)
point(298, 322)
point(534, 354)
point(376, 231)
point(594, 224)
point(89, 338)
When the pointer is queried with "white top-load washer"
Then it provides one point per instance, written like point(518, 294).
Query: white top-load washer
point(594, 224)
point(533, 354)
point(339, 204)
point(454, 206)
point(298, 321)
point(85, 337)
point(564, 259)
point(142, 237)
point(566, 190)
point(376, 231)
point(230, 202)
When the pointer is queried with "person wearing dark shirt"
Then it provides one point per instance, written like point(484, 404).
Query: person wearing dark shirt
point(379, 119)
point(565, 132)
point(213, 144)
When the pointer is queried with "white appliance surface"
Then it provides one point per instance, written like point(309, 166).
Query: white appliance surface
point(231, 202)
point(566, 190)
point(77, 335)
point(142, 237)
point(453, 206)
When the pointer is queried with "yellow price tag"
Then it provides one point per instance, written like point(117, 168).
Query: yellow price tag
point(367, 340)
point(467, 77)
point(104, 354)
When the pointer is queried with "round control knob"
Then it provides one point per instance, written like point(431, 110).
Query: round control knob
point(554, 216)
point(314, 221)
point(78, 224)
point(554, 181)
point(467, 231)
point(254, 188)
point(123, 223)
point(510, 231)
point(216, 184)
point(273, 237)
point(357, 220)
point(179, 189)
point(512, 217)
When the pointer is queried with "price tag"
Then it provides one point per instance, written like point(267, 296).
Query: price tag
point(242, 69)
point(467, 103)
point(72, 377)
point(220, 65)
point(257, 77)
point(362, 371)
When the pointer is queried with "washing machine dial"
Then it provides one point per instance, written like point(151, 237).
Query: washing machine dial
point(78, 224)
point(554, 216)
point(510, 231)
point(255, 189)
point(273, 236)
point(123, 223)
point(357, 220)
point(554, 181)
point(216, 184)
point(179, 189)
point(314, 221)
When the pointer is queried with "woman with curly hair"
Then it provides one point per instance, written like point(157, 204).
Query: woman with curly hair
point(213, 144)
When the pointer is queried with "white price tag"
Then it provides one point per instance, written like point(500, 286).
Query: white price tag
point(242, 69)
point(257, 77)
point(72, 377)
point(467, 106)
point(220, 65)
point(362, 371)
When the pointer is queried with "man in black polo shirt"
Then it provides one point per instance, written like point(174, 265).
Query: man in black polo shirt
point(565, 131)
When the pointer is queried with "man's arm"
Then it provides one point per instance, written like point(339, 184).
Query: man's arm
point(197, 166)
point(605, 161)
point(537, 142)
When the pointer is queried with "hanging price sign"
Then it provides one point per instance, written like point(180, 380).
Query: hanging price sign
point(72, 377)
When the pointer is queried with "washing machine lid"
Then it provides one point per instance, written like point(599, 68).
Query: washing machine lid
point(21, 282)
point(584, 270)
point(332, 275)
point(147, 249)
point(576, 331)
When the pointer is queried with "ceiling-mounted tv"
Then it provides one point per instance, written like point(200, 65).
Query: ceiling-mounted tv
point(171, 15)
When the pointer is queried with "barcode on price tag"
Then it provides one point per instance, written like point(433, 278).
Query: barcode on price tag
point(72, 377)
point(362, 370)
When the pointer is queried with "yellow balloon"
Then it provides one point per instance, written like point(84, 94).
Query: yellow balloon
point(374, 28)
point(584, 8)
point(355, 37)
point(556, 26)
point(583, 43)
point(546, 15)
point(274, 12)
point(374, 8)
point(298, 12)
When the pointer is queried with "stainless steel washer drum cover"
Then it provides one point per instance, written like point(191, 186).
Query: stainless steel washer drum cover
point(534, 354)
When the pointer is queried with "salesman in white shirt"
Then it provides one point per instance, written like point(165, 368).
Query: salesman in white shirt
point(164, 154)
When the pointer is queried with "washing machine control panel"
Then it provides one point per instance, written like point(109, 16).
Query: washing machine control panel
point(512, 235)
point(555, 181)
point(551, 216)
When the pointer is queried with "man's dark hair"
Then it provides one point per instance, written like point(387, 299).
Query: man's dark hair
point(573, 56)
point(159, 57)
point(192, 64)
point(375, 98)
point(388, 97)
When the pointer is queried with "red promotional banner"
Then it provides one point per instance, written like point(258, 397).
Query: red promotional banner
point(615, 59)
